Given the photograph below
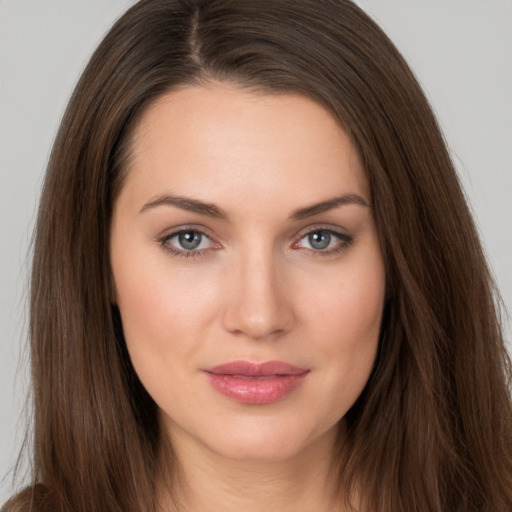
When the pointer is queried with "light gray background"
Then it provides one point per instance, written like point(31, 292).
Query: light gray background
point(461, 50)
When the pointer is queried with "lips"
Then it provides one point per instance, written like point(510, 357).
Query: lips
point(252, 383)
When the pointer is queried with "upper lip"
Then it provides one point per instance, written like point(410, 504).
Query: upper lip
point(265, 369)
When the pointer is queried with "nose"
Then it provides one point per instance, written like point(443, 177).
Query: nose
point(258, 304)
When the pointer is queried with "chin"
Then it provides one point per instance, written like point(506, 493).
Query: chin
point(264, 441)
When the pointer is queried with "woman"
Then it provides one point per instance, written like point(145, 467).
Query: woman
point(256, 282)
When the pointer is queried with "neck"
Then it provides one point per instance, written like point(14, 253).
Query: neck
point(209, 482)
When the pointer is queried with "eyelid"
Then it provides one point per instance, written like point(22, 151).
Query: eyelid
point(345, 239)
point(168, 234)
point(335, 229)
point(176, 230)
point(338, 232)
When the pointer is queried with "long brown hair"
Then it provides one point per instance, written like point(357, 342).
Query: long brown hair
point(432, 430)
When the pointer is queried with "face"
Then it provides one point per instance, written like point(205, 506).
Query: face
point(247, 270)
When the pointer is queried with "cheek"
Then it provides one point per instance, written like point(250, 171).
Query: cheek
point(163, 311)
point(346, 318)
point(162, 321)
point(153, 289)
point(349, 311)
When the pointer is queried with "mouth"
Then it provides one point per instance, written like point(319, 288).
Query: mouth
point(256, 383)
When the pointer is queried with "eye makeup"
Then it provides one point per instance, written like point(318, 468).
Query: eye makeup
point(189, 241)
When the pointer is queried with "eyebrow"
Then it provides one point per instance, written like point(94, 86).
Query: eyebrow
point(214, 211)
point(185, 203)
point(330, 204)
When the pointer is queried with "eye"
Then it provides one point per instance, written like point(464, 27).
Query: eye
point(187, 240)
point(323, 240)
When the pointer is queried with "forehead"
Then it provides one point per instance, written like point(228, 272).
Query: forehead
point(218, 140)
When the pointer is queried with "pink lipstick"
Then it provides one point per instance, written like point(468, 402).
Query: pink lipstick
point(256, 383)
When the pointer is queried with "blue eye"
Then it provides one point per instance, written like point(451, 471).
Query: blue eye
point(324, 240)
point(188, 240)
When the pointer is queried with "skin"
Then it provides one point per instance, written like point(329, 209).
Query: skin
point(256, 289)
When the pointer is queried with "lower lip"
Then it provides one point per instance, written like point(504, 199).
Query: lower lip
point(254, 390)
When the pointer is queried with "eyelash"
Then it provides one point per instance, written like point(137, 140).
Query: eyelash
point(183, 253)
point(344, 242)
